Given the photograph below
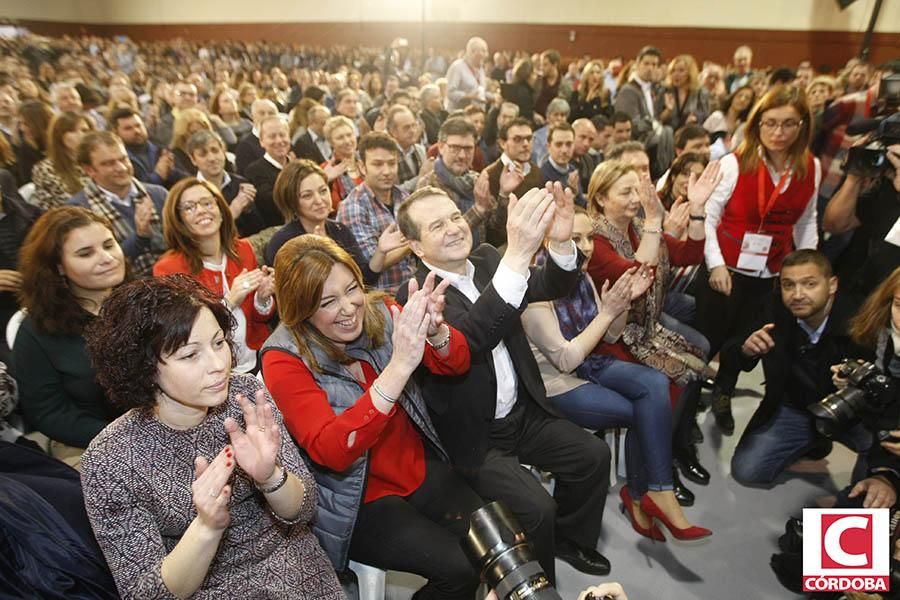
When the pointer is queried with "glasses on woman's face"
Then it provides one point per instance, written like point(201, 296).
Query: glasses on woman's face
point(190, 208)
point(787, 126)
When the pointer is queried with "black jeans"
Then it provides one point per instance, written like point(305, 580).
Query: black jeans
point(579, 461)
point(420, 533)
point(721, 317)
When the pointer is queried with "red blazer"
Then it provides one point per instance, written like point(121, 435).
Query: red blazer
point(175, 262)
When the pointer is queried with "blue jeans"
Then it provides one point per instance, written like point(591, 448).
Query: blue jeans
point(680, 306)
point(634, 396)
point(763, 454)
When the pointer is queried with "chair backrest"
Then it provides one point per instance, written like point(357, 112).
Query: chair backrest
point(27, 191)
point(12, 328)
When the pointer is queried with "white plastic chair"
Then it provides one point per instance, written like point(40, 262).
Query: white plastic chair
point(12, 328)
point(27, 191)
point(371, 581)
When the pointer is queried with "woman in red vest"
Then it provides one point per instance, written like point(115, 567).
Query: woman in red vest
point(763, 209)
point(202, 237)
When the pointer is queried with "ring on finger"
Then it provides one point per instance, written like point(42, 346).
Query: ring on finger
point(213, 494)
point(261, 428)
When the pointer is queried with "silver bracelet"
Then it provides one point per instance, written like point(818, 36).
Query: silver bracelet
point(652, 230)
point(383, 395)
point(442, 344)
point(275, 486)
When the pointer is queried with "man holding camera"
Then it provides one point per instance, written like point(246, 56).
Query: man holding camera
point(799, 339)
point(868, 203)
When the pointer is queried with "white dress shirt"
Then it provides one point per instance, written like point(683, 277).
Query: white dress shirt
point(806, 233)
point(511, 287)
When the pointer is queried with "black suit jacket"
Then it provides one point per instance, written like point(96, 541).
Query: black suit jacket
point(306, 148)
point(248, 150)
point(462, 407)
point(778, 365)
point(263, 174)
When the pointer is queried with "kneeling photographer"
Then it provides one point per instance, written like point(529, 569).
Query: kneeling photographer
point(868, 394)
point(801, 334)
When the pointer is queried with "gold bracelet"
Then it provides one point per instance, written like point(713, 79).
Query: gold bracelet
point(443, 343)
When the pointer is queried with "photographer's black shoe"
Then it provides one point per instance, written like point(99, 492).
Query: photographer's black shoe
point(792, 540)
point(584, 559)
point(820, 450)
point(684, 496)
point(687, 462)
point(721, 410)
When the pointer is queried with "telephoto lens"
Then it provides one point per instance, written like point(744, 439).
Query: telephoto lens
point(497, 548)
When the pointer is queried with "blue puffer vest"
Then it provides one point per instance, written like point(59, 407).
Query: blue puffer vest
point(341, 494)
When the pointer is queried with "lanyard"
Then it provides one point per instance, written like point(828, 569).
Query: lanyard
point(765, 207)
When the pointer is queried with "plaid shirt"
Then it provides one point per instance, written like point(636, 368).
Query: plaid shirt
point(367, 218)
point(834, 143)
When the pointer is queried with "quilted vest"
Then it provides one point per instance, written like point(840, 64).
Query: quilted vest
point(341, 494)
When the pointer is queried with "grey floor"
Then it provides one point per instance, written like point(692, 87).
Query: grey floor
point(746, 522)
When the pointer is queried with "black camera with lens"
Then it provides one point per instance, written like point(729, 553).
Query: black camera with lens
point(870, 397)
point(870, 160)
point(496, 546)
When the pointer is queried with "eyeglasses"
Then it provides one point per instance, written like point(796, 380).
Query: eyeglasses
point(456, 149)
point(786, 126)
point(190, 208)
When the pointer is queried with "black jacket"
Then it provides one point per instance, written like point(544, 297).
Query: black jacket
point(306, 148)
point(263, 174)
point(248, 150)
point(250, 221)
point(779, 364)
point(462, 407)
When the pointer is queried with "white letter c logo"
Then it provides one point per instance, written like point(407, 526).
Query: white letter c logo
point(833, 541)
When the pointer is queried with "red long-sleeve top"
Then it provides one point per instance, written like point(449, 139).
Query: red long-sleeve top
point(607, 264)
point(396, 452)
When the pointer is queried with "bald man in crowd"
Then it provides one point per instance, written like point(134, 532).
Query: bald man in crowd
point(466, 83)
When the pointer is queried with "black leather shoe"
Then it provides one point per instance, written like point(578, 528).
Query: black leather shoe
point(721, 410)
point(690, 466)
point(684, 496)
point(586, 560)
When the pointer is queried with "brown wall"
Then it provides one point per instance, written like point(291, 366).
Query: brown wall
point(770, 47)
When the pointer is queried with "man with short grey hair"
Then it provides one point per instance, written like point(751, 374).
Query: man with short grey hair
point(249, 148)
point(433, 114)
point(557, 113)
point(311, 144)
point(466, 83)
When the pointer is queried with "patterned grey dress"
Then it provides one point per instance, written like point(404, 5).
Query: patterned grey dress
point(137, 476)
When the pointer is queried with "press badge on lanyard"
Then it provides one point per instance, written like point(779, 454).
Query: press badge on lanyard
point(755, 247)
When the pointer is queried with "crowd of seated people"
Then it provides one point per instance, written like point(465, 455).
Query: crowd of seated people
point(284, 307)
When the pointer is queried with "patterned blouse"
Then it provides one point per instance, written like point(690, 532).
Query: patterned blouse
point(49, 189)
point(137, 476)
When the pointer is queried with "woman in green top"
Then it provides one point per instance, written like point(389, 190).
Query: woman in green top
point(70, 262)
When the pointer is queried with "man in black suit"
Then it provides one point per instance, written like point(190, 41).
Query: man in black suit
point(497, 416)
point(250, 147)
point(312, 144)
point(262, 173)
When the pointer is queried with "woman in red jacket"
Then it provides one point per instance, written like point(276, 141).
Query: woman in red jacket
point(763, 209)
point(202, 237)
point(340, 368)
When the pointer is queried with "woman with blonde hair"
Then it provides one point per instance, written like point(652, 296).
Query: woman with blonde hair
point(622, 240)
point(340, 367)
point(59, 176)
point(342, 170)
point(592, 97)
point(203, 242)
point(763, 209)
point(683, 101)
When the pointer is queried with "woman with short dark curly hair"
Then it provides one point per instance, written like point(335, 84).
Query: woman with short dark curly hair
point(70, 262)
point(197, 490)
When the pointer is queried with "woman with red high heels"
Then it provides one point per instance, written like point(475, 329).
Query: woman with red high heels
point(597, 391)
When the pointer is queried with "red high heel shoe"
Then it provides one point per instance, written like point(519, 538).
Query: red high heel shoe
point(693, 532)
point(651, 532)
